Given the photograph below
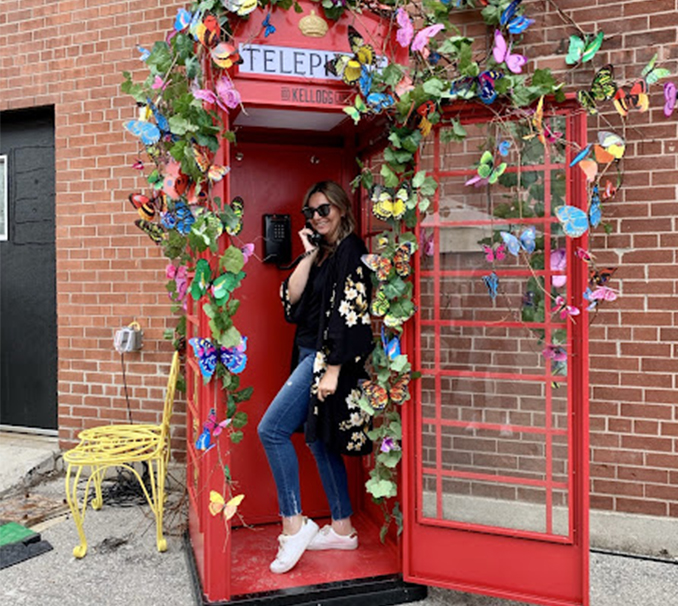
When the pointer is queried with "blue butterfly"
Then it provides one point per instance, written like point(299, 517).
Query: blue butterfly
point(434, 58)
point(392, 347)
point(181, 218)
point(234, 358)
point(595, 209)
point(509, 12)
point(144, 53)
point(206, 353)
point(526, 241)
point(183, 20)
point(492, 283)
point(365, 81)
point(504, 147)
point(160, 120)
point(486, 81)
point(581, 155)
point(270, 29)
point(519, 24)
point(148, 132)
point(378, 102)
point(575, 221)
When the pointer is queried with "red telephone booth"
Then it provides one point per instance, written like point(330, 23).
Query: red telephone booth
point(291, 134)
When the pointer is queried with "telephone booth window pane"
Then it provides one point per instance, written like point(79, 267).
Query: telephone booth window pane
point(3, 198)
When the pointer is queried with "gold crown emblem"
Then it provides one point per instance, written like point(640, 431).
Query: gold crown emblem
point(313, 26)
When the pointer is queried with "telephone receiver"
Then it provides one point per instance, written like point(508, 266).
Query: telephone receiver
point(315, 238)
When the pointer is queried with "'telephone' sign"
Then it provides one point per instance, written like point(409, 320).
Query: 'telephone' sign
point(286, 61)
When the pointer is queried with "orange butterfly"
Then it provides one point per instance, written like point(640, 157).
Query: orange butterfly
point(378, 396)
point(218, 505)
point(208, 31)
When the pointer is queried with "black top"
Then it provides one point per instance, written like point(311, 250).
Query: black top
point(344, 338)
point(308, 326)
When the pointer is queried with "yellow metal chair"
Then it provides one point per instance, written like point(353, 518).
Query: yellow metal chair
point(122, 446)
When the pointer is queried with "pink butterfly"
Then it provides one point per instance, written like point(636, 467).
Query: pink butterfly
point(498, 254)
point(405, 85)
point(584, 254)
point(247, 251)
point(554, 352)
point(138, 164)
point(558, 263)
point(180, 277)
point(427, 243)
point(670, 96)
point(226, 94)
point(405, 33)
point(564, 309)
point(502, 54)
point(603, 293)
point(158, 83)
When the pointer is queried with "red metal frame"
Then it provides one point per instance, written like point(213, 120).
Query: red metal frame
point(541, 567)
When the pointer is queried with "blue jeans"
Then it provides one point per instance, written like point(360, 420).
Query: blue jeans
point(288, 412)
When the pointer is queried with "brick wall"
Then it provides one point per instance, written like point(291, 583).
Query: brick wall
point(70, 54)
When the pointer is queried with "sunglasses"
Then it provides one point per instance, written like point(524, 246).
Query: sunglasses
point(323, 210)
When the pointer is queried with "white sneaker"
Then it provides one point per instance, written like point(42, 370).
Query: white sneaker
point(292, 547)
point(328, 539)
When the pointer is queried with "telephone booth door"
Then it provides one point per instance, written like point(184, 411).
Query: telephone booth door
point(496, 465)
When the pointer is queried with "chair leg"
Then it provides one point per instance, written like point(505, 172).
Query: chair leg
point(78, 515)
point(98, 477)
point(158, 484)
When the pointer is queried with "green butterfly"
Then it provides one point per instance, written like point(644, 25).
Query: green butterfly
point(652, 74)
point(356, 110)
point(602, 88)
point(221, 287)
point(232, 216)
point(582, 50)
point(380, 304)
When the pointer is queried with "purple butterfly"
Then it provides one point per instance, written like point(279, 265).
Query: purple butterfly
point(502, 54)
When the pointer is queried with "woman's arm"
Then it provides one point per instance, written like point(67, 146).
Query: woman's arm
point(297, 281)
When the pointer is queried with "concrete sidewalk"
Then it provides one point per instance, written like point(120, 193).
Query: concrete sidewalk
point(123, 568)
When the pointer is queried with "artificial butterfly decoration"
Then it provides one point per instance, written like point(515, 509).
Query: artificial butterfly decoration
point(653, 74)
point(603, 88)
point(503, 147)
point(179, 275)
point(266, 24)
point(240, 7)
point(558, 263)
point(144, 53)
point(138, 164)
point(425, 111)
point(599, 295)
point(152, 230)
point(146, 207)
point(225, 55)
point(208, 31)
point(611, 147)
point(208, 354)
point(175, 182)
point(405, 35)
point(224, 95)
point(487, 171)
point(486, 90)
point(358, 108)
point(574, 221)
point(380, 304)
point(382, 266)
point(180, 218)
point(636, 97)
point(541, 130)
point(211, 428)
point(393, 321)
point(557, 353)
point(502, 54)
point(584, 254)
point(378, 396)
point(564, 309)
point(220, 287)
point(388, 444)
point(378, 102)
point(670, 96)
point(491, 282)
point(525, 242)
point(584, 49)
point(392, 346)
point(349, 68)
point(600, 277)
point(247, 251)
point(494, 254)
point(595, 209)
point(234, 215)
point(148, 132)
point(515, 24)
point(427, 243)
point(218, 505)
point(386, 205)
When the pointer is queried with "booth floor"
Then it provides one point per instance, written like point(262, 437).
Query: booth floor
point(254, 548)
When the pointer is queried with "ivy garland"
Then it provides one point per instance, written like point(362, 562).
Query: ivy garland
point(180, 128)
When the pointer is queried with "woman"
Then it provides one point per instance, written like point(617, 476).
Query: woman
point(328, 297)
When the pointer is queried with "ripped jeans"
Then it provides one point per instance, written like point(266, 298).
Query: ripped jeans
point(286, 413)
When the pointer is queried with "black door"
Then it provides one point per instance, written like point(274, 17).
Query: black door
point(28, 323)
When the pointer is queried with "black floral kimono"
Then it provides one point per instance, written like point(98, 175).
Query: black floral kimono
point(344, 337)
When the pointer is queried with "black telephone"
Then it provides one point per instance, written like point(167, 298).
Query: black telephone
point(315, 238)
point(277, 239)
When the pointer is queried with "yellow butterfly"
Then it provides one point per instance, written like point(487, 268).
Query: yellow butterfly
point(216, 172)
point(351, 68)
point(386, 206)
point(218, 505)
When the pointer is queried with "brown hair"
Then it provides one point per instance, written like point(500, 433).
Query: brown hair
point(336, 196)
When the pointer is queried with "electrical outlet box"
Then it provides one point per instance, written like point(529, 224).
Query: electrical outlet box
point(128, 339)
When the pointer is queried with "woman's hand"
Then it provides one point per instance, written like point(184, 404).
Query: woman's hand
point(305, 235)
point(328, 382)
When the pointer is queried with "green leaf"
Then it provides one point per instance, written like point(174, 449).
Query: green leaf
point(232, 260)
point(399, 363)
point(392, 74)
point(456, 132)
point(236, 437)
point(231, 408)
point(390, 458)
point(180, 125)
point(390, 178)
point(381, 488)
point(436, 88)
point(239, 419)
point(418, 179)
point(230, 337)
point(243, 395)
